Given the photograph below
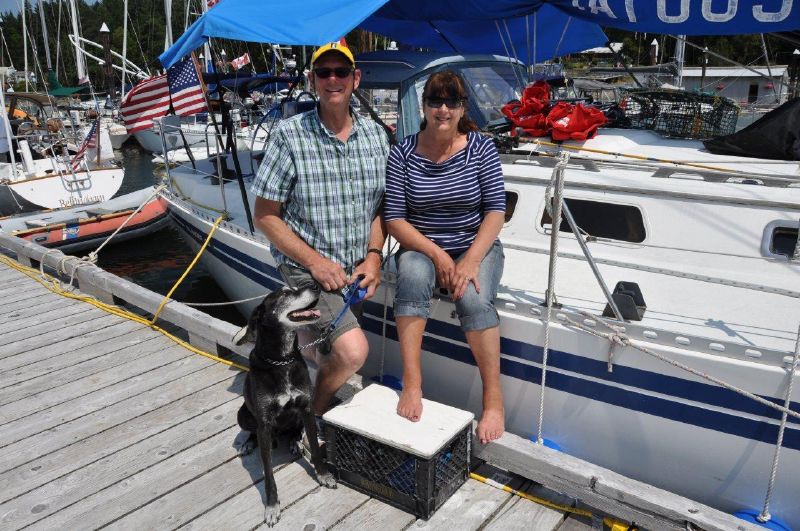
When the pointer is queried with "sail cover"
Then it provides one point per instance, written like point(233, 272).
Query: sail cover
point(470, 26)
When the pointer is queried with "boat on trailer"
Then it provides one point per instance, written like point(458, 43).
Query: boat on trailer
point(713, 254)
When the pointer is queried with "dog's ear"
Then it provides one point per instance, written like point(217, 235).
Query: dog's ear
point(248, 333)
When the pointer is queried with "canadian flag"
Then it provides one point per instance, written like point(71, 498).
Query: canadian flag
point(211, 3)
point(241, 61)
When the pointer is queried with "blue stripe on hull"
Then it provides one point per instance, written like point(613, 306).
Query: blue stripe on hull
point(269, 277)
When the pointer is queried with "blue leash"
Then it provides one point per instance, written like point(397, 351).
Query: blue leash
point(352, 294)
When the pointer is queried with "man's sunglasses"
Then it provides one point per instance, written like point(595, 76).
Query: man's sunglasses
point(340, 72)
point(436, 103)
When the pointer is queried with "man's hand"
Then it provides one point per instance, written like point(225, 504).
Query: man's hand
point(328, 274)
point(371, 269)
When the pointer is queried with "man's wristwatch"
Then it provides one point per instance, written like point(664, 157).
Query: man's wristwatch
point(376, 251)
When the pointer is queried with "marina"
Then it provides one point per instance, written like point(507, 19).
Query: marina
point(631, 330)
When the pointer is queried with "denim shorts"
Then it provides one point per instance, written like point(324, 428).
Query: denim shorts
point(329, 305)
point(416, 280)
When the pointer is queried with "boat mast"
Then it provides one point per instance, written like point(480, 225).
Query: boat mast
point(206, 47)
point(24, 45)
point(168, 17)
point(680, 51)
point(80, 62)
point(124, 47)
point(44, 34)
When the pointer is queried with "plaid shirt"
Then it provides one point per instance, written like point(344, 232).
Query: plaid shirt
point(330, 190)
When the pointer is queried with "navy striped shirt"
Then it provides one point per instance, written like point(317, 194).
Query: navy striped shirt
point(446, 202)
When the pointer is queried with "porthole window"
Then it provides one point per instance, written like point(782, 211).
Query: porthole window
point(603, 220)
point(511, 204)
point(783, 241)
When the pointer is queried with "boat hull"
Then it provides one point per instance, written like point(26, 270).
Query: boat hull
point(640, 416)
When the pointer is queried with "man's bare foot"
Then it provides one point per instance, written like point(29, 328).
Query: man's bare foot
point(410, 404)
point(491, 426)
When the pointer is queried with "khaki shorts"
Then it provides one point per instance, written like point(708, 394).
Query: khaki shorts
point(329, 305)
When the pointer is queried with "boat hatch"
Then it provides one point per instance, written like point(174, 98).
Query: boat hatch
point(511, 204)
point(783, 241)
point(603, 220)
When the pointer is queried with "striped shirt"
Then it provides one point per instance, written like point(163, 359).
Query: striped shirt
point(330, 190)
point(446, 202)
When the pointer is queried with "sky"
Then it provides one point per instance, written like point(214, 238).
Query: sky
point(12, 6)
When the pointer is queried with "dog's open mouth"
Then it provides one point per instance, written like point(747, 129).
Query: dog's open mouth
point(306, 314)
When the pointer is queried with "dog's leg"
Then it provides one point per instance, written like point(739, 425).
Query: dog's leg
point(246, 441)
point(272, 510)
point(325, 478)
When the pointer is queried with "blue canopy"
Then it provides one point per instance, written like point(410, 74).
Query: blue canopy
point(483, 26)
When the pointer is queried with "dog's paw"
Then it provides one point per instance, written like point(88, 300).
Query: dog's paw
point(327, 480)
point(244, 443)
point(272, 513)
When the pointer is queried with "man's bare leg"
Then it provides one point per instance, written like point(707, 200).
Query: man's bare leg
point(348, 354)
point(485, 346)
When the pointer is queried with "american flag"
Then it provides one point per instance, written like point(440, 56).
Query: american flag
point(152, 97)
point(241, 61)
point(185, 88)
point(147, 100)
point(89, 142)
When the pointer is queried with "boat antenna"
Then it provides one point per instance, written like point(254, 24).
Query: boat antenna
point(775, 91)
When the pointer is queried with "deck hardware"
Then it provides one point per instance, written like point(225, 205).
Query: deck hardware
point(719, 347)
point(752, 353)
point(683, 340)
point(630, 301)
point(650, 334)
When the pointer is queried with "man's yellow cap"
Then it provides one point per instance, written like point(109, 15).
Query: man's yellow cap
point(340, 47)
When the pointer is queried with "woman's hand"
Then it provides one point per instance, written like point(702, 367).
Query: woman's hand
point(445, 268)
point(466, 271)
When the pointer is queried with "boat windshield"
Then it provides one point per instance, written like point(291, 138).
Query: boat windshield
point(489, 86)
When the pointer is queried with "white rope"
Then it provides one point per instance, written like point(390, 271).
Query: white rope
point(557, 183)
point(765, 516)
point(92, 256)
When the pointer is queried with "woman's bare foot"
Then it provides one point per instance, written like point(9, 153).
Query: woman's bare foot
point(410, 404)
point(491, 426)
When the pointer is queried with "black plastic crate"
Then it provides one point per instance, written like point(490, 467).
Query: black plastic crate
point(395, 476)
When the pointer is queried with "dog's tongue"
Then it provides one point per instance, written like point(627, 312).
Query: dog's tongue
point(306, 313)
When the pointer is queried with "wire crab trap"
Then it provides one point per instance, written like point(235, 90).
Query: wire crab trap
point(679, 114)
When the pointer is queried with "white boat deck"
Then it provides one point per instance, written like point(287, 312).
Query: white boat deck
point(107, 423)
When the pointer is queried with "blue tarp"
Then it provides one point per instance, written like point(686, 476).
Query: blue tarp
point(472, 24)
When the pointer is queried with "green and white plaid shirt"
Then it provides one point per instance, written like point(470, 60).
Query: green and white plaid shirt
point(330, 190)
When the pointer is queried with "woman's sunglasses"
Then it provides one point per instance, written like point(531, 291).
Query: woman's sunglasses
point(340, 72)
point(451, 103)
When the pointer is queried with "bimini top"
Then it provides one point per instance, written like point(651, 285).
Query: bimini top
point(388, 68)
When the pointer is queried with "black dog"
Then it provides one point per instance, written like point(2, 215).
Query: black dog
point(277, 391)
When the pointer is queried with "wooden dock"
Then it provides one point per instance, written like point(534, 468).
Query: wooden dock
point(105, 422)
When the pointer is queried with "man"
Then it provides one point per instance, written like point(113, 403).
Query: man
point(319, 188)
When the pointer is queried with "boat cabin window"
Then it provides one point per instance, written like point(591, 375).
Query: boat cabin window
point(511, 204)
point(383, 101)
point(603, 220)
point(784, 241)
point(489, 86)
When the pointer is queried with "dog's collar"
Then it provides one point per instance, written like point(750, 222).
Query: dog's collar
point(283, 362)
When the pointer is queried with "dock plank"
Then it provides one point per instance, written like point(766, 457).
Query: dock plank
point(32, 290)
point(117, 483)
point(41, 314)
point(122, 424)
point(13, 316)
point(31, 298)
point(31, 330)
point(51, 419)
point(519, 514)
point(44, 360)
point(471, 505)
point(37, 394)
point(54, 338)
point(375, 514)
point(196, 497)
point(245, 509)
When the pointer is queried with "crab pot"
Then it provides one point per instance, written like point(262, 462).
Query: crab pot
point(416, 478)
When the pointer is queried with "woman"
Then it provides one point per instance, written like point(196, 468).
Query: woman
point(445, 204)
